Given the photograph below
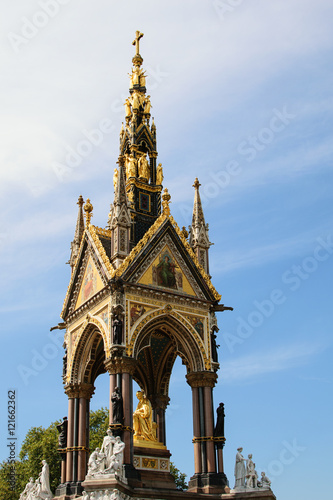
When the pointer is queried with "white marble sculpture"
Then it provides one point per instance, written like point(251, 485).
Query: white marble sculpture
point(251, 473)
point(96, 462)
point(40, 489)
point(107, 447)
point(265, 482)
point(240, 469)
point(116, 495)
point(117, 458)
point(29, 488)
point(109, 459)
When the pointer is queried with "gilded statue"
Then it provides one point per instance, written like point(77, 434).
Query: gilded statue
point(143, 167)
point(159, 174)
point(130, 196)
point(143, 425)
point(115, 179)
point(128, 111)
point(137, 77)
point(147, 105)
point(130, 163)
point(135, 101)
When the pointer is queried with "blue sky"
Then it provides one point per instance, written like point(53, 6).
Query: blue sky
point(241, 95)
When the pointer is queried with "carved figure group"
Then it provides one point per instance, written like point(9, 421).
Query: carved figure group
point(246, 476)
point(39, 489)
point(109, 459)
point(105, 495)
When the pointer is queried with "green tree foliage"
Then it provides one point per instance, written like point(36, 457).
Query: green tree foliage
point(42, 444)
point(179, 477)
point(99, 423)
point(6, 492)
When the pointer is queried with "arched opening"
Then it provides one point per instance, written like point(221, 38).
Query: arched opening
point(87, 365)
point(179, 420)
point(157, 346)
point(89, 356)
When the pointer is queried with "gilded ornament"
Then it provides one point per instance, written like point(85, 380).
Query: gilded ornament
point(143, 168)
point(159, 174)
point(115, 179)
point(166, 197)
point(136, 42)
point(88, 208)
point(147, 105)
point(184, 232)
point(128, 111)
point(101, 250)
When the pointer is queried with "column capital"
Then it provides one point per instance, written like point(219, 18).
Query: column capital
point(201, 379)
point(79, 390)
point(120, 364)
point(159, 401)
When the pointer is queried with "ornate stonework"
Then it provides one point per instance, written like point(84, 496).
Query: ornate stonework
point(139, 296)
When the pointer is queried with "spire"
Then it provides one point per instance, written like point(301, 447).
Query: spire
point(198, 216)
point(79, 230)
point(120, 218)
point(120, 193)
point(142, 176)
point(199, 239)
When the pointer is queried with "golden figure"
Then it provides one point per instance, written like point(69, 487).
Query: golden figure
point(166, 197)
point(143, 425)
point(147, 105)
point(130, 163)
point(130, 196)
point(142, 79)
point(159, 174)
point(115, 179)
point(143, 167)
point(135, 101)
point(128, 111)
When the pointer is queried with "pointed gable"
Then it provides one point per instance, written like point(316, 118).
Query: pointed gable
point(92, 270)
point(163, 258)
point(166, 272)
point(91, 283)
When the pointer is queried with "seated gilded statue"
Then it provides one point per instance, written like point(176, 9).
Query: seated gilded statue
point(143, 425)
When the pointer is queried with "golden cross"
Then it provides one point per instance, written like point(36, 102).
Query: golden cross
point(135, 42)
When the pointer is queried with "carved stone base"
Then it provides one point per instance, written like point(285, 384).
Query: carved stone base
point(208, 482)
point(68, 490)
point(154, 467)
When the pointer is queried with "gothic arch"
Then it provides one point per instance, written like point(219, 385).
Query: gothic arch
point(157, 340)
point(89, 352)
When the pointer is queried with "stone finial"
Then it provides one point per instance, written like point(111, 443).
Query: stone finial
point(166, 197)
point(184, 232)
point(88, 208)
